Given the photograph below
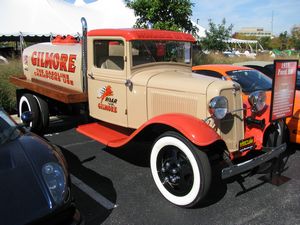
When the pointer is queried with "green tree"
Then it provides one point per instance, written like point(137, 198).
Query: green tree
point(295, 39)
point(275, 43)
point(215, 36)
point(163, 14)
point(283, 38)
point(265, 42)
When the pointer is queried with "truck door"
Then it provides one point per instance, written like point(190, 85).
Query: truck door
point(106, 80)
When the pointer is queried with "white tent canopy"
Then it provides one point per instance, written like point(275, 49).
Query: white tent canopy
point(201, 30)
point(45, 17)
point(239, 41)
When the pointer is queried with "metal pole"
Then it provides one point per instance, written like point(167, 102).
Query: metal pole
point(84, 54)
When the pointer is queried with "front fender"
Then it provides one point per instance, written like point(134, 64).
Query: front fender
point(194, 129)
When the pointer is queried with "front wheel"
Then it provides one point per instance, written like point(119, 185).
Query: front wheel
point(181, 172)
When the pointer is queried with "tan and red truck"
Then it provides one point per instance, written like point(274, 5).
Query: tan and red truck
point(138, 84)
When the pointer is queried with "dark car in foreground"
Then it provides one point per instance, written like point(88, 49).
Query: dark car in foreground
point(34, 180)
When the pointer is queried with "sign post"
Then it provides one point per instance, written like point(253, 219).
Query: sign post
point(282, 106)
point(283, 90)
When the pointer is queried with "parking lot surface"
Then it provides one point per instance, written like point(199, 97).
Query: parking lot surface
point(115, 186)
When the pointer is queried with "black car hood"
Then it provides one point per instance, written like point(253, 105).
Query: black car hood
point(23, 194)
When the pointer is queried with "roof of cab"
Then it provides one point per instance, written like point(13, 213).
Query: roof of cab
point(143, 34)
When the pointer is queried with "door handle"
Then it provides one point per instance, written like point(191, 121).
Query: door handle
point(91, 75)
point(128, 83)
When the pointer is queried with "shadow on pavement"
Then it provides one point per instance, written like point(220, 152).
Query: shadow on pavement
point(92, 211)
point(137, 153)
point(63, 123)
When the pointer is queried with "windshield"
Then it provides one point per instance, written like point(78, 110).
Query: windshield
point(144, 52)
point(251, 80)
point(8, 128)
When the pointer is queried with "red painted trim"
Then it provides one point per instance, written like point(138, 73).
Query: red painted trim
point(64, 40)
point(194, 129)
point(143, 34)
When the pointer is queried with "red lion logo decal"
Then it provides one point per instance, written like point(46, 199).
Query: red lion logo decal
point(105, 92)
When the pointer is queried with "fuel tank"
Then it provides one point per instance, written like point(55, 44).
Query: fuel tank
point(57, 62)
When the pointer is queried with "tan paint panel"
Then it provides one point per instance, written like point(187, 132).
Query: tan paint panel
point(110, 107)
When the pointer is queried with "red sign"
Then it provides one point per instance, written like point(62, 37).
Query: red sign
point(283, 92)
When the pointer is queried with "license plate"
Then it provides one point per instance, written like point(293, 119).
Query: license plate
point(246, 144)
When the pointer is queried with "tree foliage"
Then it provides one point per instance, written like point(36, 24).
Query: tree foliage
point(216, 34)
point(295, 39)
point(163, 14)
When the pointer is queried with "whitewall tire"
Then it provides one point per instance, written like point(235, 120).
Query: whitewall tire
point(181, 172)
point(28, 103)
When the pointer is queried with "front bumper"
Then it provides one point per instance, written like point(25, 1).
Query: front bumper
point(66, 216)
point(271, 153)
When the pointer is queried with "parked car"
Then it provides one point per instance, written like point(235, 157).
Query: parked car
point(253, 80)
point(267, 67)
point(35, 184)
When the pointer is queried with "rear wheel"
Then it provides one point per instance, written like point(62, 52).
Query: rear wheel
point(181, 172)
point(28, 103)
point(44, 112)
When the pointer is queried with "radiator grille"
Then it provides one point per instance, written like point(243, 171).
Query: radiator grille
point(231, 127)
point(170, 102)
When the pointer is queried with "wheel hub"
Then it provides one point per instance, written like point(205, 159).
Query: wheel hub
point(171, 170)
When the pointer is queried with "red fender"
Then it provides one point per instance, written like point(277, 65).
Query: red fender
point(194, 129)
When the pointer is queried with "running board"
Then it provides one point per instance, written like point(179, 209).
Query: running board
point(107, 134)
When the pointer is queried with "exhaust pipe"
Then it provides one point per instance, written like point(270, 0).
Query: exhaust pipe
point(84, 54)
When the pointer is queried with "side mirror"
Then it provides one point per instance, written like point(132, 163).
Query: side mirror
point(27, 118)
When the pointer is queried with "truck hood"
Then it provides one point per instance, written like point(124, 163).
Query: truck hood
point(22, 193)
point(174, 79)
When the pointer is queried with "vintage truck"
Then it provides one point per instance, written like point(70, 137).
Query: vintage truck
point(138, 84)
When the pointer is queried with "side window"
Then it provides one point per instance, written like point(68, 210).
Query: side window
point(109, 54)
point(209, 73)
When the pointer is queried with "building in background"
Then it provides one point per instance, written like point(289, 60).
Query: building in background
point(254, 31)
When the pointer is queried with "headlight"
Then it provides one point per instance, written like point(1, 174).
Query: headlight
point(218, 107)
point(56, 181)
point(257, 101)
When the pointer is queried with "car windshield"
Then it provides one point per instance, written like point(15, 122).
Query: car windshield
point(8, 128)
point(251, 80)
point(144, 52)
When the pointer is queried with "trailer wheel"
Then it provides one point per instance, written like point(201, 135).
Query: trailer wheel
point(28, 103)
point(181, 172)
point(44, 112)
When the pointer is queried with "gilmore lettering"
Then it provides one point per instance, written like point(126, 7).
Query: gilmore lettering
point(56, 61)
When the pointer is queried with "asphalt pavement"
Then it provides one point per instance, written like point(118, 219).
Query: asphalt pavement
point(115, 186)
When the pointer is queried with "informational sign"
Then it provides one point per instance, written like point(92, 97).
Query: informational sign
point(283, 91)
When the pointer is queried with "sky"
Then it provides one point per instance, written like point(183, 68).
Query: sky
point(246, 13)
point(249, 13)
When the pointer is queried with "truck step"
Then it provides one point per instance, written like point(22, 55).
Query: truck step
point(107, 134)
